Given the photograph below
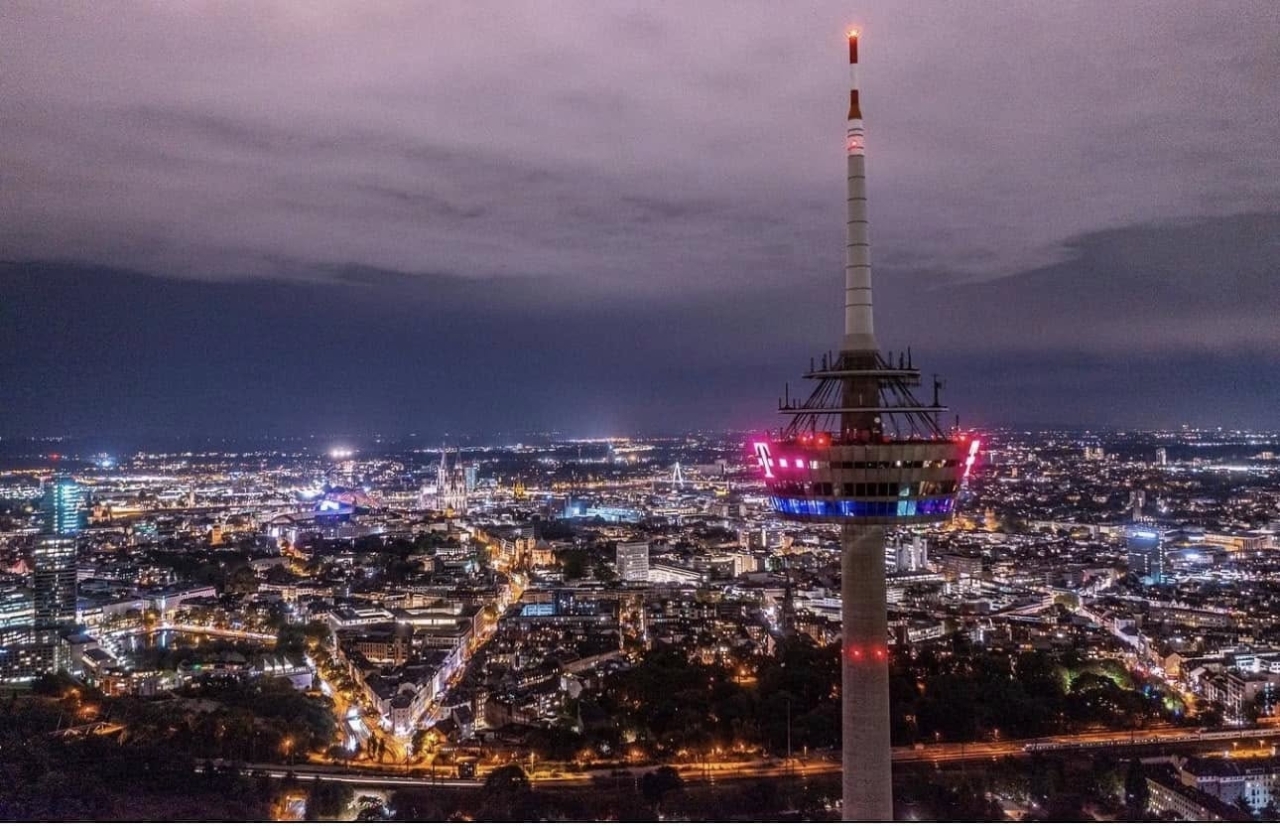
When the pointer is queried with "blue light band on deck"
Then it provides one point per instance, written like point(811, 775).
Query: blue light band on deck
point(860, 508)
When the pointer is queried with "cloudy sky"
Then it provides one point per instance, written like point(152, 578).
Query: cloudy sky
point(290, 217)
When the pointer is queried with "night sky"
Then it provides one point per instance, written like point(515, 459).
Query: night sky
point(248, 218)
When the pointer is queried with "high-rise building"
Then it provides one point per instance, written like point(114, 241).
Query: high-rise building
point(63, 502)
point(1138, 504)
point(17, 616)
point(631, 561)
point(1162, 456)
point(908, 555)
point(53, 581)
point(1147, 556)
point(862, 452)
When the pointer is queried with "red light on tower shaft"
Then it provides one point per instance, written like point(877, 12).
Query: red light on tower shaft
point(857, 654)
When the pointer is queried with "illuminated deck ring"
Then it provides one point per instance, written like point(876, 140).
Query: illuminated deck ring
point(905, 482)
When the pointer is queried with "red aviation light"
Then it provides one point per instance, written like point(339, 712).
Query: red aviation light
point(855, 654)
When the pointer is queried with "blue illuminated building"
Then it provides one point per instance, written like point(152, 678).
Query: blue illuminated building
point(583, 509)
point(1148, 559)
point(54, 580)
point(62, 503)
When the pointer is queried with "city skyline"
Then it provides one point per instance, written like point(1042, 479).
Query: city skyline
point(1094, 595)
point(389, 425)
point(622, 223)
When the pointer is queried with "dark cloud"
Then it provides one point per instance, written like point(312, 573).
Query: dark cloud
point(216, 140)
point(620, 215)
point(1209, 286)
point(88, 351)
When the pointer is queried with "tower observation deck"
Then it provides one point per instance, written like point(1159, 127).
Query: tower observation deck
point(862, 452)
point(873, 457)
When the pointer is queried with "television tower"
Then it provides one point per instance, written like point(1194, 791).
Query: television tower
point(863, 453)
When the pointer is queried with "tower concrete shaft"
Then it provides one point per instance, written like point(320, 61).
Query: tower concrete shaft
point(861, 451)
point(867, 782)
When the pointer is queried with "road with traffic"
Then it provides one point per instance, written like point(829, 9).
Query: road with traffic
point(555, 775)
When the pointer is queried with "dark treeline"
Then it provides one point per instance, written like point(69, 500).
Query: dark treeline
point(151, 768)
point(677, 709)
